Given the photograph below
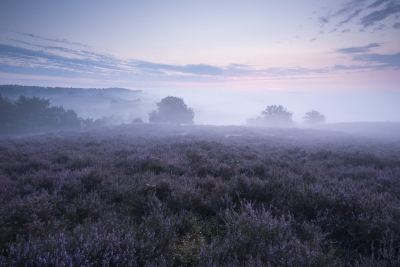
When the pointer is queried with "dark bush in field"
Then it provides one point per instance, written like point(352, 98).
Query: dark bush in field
point(151, 195)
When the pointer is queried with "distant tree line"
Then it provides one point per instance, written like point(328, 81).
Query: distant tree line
point(11, 90)
point(173, 109)
point(33, 114)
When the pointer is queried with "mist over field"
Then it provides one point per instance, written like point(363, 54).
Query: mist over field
point(222, 107)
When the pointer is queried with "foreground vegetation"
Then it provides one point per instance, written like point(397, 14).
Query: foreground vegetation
point(165, 195)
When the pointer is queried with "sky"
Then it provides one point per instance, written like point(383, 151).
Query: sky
point(207, 46)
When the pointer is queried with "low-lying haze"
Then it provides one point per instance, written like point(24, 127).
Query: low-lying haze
point(222, 107)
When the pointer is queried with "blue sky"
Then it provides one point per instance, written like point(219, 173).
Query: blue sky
point(265, 45)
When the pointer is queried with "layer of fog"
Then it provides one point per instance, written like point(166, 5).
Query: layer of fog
point(221, 107)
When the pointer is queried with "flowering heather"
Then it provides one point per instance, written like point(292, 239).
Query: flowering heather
point(171, 195)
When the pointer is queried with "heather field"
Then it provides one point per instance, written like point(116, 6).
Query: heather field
point(179, 195)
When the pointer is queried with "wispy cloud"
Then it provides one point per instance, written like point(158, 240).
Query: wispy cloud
point(195, 69)
point(19, 60)
point(57, 40)
point(358, 49)
point(383, 60)
point(373, 61)
point(350, 17)
point(24, 57)
point(323, 20)
point(361, 13)
point(347, 8)
point(377, 3)
point(393, 7)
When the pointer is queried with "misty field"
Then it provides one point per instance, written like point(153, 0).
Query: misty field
point(171, 195)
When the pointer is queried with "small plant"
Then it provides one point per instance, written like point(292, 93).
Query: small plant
point(188, 252)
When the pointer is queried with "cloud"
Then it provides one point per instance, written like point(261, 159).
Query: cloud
point(313, 39)
point(291, 72)
point(379, 27)
point(323, 20)
point(372, 61)
point(61, 60)
point(370, 14)
point(18, 58)
point(195, 69)
point(49, 48)
point(86, 63)
point(349, 18)
point(349, 7)
point(358, 49)
point(52, 49)
point(391, 8)
point(396, 25)
point(63, 41)
point(377, 3)
point(392, 60)
point(351, 67)
point(347, 12)
point(31, 61)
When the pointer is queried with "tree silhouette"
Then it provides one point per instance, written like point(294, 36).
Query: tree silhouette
point(314, 116)
point(172, 109)
point(7, 116)
point(273, 116)
point(34, 114)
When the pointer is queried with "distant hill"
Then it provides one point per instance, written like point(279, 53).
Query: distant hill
point(14, 91)
point(124, 105)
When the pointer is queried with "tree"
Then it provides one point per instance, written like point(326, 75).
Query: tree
point(32, 112)
point(172, 109)
point(60, 118)
point(273, 116)
point(8, 116)
point(314, 117)
point(29, 115)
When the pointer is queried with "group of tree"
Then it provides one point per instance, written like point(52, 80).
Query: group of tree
point(173, 110)
point(278, 116)
point(33, 114)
